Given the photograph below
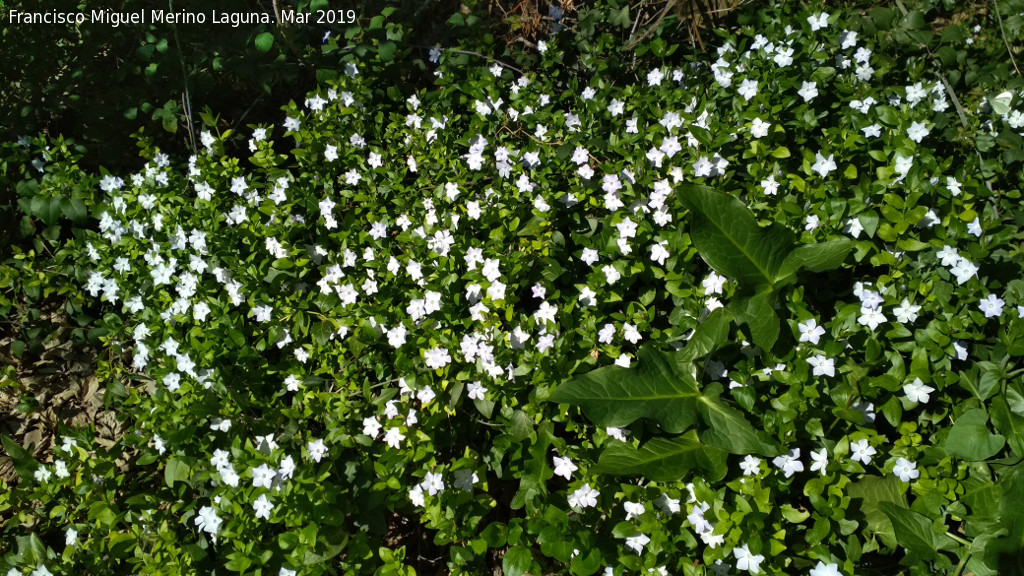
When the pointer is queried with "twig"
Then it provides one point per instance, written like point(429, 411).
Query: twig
point(657, 23)
point(187, 98)
point(1003, 33)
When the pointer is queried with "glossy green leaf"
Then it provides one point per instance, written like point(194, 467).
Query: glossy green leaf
point(970, 440)
point(728, 238)
point(870, 493)
point(758, 313)
point(726, 428)
point(517, 561)
point(914, 531)
point(654, 388)
point(663, 459)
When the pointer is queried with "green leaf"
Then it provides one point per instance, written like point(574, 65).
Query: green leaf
point(264, 41)
point(970, 440)
point(663, 459)
point(518, 561)
point(758, 313)
point(176, 471)
point(818, 257)
point(386, 51)
point(620, 17)
point(727, 428)
point(873, 491)
point(727, 236)
point(708, 336)
point(322, 332)
point(615, 396)
point(1009, 423)
point(914, 531)
point(74, 210)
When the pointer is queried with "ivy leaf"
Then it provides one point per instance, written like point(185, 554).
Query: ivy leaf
point(970, 440)
point(663, 459)
point(727, 428)
point(728, 238)
point(615, 396)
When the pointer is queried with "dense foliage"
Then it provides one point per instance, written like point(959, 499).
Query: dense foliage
point(758, 309)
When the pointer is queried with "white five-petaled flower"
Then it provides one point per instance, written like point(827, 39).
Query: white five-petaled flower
point(751, 465)
point(263, 476)
point(861, 451)
point(810, 331)
point(906, 312)
point(262, 506)
point(638, 542)
point(633, 509)
point(991, 306)
point(789, 463)
point(871, 317)
point(917, 391)
point(905, 470)
point(822, 366)
point(747, 561)
point(585, 497)
point(564, 467)
point(917, 132)
point(823, 166)
point(819, 461)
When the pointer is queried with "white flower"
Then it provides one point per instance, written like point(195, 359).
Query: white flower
point(906, 312)
point(585, 497)
point(810, 331)
point(317, 449)
point(991, 306)
point(262, 476)
point(871, 317)
point(823, 166)
point(751, 466)
point(71, 537)
point(208, 521)
point(668, 504)
point(262, 506)
point(822, 366)
point(820, 461)
point(747, 561)
point(759, 128)
point(917, 391)
point(713, 284)
point(638, 542)
point(659, 253)
point(808, 90)
point(436, 358)
point(917, 132)
point(862, 452)
point(564, 467)
point(823, 569)
point(818, 21)
point(905, 470)
point(393, 437)
point(789, 463)
point(633, 509)
point(771, 187)
point(587, 297)
point(433, 483)
point(748, 89)
point(416, 495)
point(476, 391)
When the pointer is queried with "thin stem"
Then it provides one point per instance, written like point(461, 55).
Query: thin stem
point(1002, 32)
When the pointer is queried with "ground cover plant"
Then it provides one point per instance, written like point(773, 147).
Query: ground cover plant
point(752, 310)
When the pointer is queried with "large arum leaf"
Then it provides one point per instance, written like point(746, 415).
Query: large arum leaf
point(1009, 423)
point(663, 459)
point(758, 313)
point(873, 491)
point(914, 532)
point(614, 396)
point(969, 438)
point(708, 336)
point(818, 257)
point(728, 430)
point(728, 238)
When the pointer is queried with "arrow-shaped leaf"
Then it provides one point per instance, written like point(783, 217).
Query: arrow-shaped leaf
point(818, 257)
point(663, 459)
point(614, 396)
point(728, 238)
point(727, 428)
